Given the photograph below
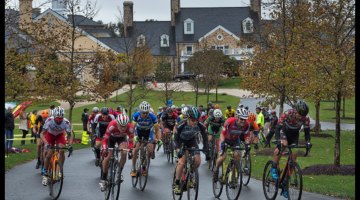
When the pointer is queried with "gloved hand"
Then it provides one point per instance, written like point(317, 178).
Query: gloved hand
point(135, 139)
point(130, 154)
point(104, 152)
point(180, 154)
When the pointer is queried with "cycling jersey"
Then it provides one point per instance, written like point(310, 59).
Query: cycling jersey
point(260, 119)
point(229, 113)
point(187, 135)
point(113, 131)
point(144, 123)
point(233, 131)
point(91, 121)
point(102, 123)
point(39, 123)
point(169, 121)
point(55, 132)
point(289, 120)
point(214, 124)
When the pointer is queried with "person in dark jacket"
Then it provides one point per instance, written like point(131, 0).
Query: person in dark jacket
point(273, 123)
point(9, 129)
point(84, 118)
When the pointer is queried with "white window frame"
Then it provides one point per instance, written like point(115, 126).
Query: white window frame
point(244, 24)
point(191, 22)
point(162, 38)
point(140, 42)
point(189, 52)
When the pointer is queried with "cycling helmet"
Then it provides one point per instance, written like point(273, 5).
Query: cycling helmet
point(182, 105)
point(44, 113)
point(122, 119)
point(105, 110)
point(247, 108)
point(273, 112)
point(95, 109)
point(252, 116)
point(119, 108)
point(242, 113)
point(210, 103)
point(169, 110)
point(217, 113)
point(211, 112)
point(151, 110)
point(59, 112)
point(228, 107)
point(302, 108)
point(51, 112)
point(173, 107)
point(184, 110)
point(193, 113)
point(144, 106)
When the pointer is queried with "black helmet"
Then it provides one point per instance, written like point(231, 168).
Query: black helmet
point(169, 110)
point(228, 107)
point(104, 110)
point(193, 113)
point(302, 108)
point(209, 103)
point(119, 107)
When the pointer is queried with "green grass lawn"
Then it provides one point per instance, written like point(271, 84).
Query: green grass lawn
point(230, 83)
point(322, 152)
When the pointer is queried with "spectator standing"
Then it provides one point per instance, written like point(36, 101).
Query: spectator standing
point(266, 120)
point(31, 119)
point(273, 122)
point(23, 125)
point(85, 118)
point(9, 129)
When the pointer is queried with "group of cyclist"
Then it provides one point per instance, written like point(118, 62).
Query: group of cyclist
point(185, 124)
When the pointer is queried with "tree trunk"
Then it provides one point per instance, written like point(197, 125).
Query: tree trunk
point(343, 111)
point(282, 100)
point(337, 130)
point(216, 93)
point(317, 117)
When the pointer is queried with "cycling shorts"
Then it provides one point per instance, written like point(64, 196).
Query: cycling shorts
point(113, 140)
point(217, 134)
point(146, 134)
point(55, 139)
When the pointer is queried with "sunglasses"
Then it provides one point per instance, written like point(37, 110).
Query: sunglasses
point(144, 113)
point(58, 119)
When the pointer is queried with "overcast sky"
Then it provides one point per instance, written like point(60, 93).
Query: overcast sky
point(144, 9)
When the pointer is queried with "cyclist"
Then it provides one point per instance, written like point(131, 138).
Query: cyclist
point(144, 120)
point(91, 126)
point(209, 106)
point(187, 134)
point(168, 121)
point(273, 123)
point(183, 115)
point(119, 131)
point(235, 128)
point(214, 125)
point(101, 120)
point(254, 128)
point(288, 128)
point(260, 121)
point(229, 112)
point(37, 128)
point(53, 132)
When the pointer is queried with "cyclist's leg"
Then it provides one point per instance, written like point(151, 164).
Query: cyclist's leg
point(134, 154)
point(151, 145)
point(122, 145)
point(217, 140)
point(38, 148)
point(60, 140)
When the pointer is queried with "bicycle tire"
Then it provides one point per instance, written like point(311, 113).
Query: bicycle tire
point(118, 181)
point(175, 196)
point(246, 174)
point(146, 163)
point(56, 179)
point(295, 182)
point(171, 149)
point(270, 187)
point(214, 161)
point(212, 154)
point(218, 185)
point(134, 180)
point(230, 182)
point(110, 175)
point(192, 187)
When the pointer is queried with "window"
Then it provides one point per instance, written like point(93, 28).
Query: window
point(248, 26)
point(189, 50)
point(220, 37)
point(164, 40)
point(140, 41)
point(189, 26)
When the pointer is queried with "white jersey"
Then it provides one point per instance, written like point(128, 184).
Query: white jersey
point(56, 129)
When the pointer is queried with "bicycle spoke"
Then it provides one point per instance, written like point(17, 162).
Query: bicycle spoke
point(233, 183)
point(269, 185)
point(56, 180)
point(295, 182)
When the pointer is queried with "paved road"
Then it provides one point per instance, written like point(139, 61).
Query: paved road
point(81, 179)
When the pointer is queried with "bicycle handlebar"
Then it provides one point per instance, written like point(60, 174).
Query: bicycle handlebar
point(60, 148)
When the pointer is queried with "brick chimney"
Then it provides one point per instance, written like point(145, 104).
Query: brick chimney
point(128, 16)
point(175, 9)
point(25, 10)
point(255, 5)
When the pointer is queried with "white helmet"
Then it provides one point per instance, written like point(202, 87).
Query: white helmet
point(173, 107)
point(182, 105)
point(184, 110)
point(122, 119)
point(95, 109)
point(242, 113)
point(144, 106)
point(217, 113)
point(59, 112)
point(52, 112)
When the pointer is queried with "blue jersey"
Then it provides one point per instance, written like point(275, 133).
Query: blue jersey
point(144, 124)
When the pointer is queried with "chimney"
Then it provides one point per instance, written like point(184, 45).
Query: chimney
point(36, 12)
point(128, 16)
point(25, 10)
point(255, 5)
point(175, 9)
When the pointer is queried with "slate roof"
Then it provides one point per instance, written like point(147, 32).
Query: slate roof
point(118, 44)
point(82, 21)
point(206, 19)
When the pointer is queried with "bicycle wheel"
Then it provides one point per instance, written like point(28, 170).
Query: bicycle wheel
point(144, 167)
point(56, 180)
point(193, 185)
point(211, 150)
point(110, 179)
point(218, 185)
point(168, 150)
point(295, 182)
point(175, 196)
point(117, 185)
point(270, 186)
point(233, 182)
point(214, 159)
point(171, 149)
point(134, 180)
point(245, 164)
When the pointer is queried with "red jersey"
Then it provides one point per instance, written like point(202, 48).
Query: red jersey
point(232, 130)
point(113, 130)
point(91, 118)
point(290, 120)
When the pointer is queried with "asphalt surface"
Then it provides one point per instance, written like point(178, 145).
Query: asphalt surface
point(81, 179)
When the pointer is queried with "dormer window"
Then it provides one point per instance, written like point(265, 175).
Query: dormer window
point(248, 26)
point(164, 40)
point(189, 26)
point(140, 41)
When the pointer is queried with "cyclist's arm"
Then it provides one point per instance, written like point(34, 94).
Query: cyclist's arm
point(42, 136)
point(157, 130)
